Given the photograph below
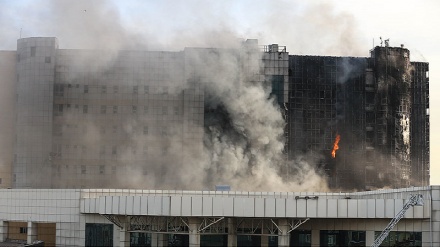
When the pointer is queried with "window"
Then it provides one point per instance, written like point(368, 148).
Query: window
point(58, 110)
point(114, 150)
point(23, 229)
point(115, 89)
point(102, 130)
point(85, 109)
point(164, 110)
point(165, 90)
point(83, 170)
point(101, 169)
point(113, 169)
point(103, 89)
point(146, 90)
point(134, 109)
point(115, 129)
point(33, 51)
point(86, 88)
point(135, 89)
point(176, 110)
point(98, 234)
point(145, 130)
point(145, 109)
point(103, 109)
point(115, 109)
point(47, 59)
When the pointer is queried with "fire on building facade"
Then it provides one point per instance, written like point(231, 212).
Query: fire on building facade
point(376, 107)
point(364, 121)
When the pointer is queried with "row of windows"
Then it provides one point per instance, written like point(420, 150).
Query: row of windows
point(146, 89)
point(162, 130)
point(47, 59)
point(83, 169)
point(58, 150)
point(161, 110)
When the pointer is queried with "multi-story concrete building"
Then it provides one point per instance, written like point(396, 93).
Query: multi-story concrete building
point(123, 121)
point(92, 118)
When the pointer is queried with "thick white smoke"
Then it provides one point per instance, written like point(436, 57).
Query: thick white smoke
point(245, 148)
point(246, 152)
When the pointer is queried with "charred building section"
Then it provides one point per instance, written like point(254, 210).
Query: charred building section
point(392, 75)
point(373, 113)
point(420, 150)
point(326, 100)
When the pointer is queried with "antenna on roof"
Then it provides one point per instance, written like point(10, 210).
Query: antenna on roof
point(20, 31)
point(387, 42)
point(380, 41)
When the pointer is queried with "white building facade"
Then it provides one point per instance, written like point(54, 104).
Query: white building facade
point(97, 217)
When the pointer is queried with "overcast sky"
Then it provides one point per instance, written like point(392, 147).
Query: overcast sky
point(334, 28)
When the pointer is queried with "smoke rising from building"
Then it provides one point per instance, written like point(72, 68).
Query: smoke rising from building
point(243, 127)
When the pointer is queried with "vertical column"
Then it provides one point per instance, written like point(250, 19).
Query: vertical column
point(232, 232)
point(369, 238)
point(31, 232)
point(315, 238)
point(34, 112)
point(154, 239)
point(4, 225)
point(159, 239)
point(124, 237)
point(194, 235)
point(283, 235)
point(264, 241)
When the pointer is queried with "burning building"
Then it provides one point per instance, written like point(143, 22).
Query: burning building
point(367, 119)
point(252, 116)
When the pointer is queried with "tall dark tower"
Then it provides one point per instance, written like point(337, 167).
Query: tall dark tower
point(392, 73)
point(376, 107)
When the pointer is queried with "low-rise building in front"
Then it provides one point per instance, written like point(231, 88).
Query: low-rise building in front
point(116, 217)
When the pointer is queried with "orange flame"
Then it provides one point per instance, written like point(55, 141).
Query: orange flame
point(335, 145)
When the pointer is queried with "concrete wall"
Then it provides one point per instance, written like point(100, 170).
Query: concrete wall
point(7, 112)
